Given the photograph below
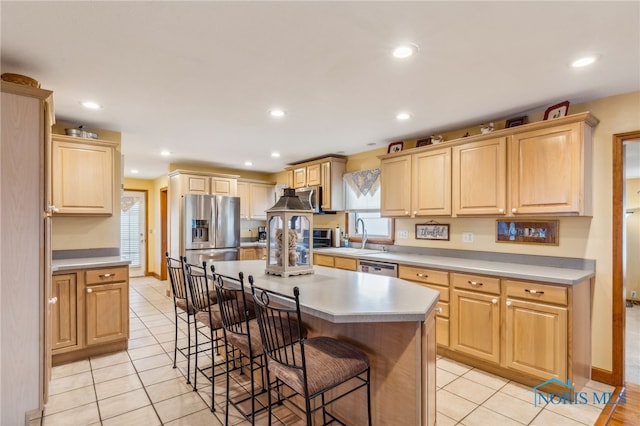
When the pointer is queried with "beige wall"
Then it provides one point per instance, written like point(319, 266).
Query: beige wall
point(75, 232)
point(632, 252)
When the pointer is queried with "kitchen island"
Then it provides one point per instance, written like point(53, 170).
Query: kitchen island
point(391, 320)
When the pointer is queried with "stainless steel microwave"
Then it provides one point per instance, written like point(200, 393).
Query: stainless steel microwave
point(311, 196)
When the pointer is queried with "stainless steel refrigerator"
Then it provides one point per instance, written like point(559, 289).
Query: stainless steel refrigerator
point(210, 228)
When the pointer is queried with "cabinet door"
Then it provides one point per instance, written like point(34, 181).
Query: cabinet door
point(224, 186)
point(107, 312)
point(314, 174)
point(326, 186)
point(248, 253)
point(82, 176)
point(395, 186)
point(64, 313)
point(300, 177)
point(263, 197)
point(536, 339)
point(479, 178)
point(431, 181)
point(290, 180)
point(546, 171)
point(475, 324)
point(245, 200)
point(195, 184)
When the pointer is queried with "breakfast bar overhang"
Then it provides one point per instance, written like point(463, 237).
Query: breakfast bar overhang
point(391, 320)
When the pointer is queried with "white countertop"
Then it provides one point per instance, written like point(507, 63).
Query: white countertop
point(88, 262)
point(343, 296)
point(548, 274)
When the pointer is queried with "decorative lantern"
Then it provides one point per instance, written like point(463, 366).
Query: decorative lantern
point(289, 236)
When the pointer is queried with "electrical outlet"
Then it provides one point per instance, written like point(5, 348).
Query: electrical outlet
point(467, 237)
point(403, 235)
point(634, 294)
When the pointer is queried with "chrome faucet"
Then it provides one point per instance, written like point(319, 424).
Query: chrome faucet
point(364, 231)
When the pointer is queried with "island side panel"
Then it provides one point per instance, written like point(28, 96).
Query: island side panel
point(396, 352)
point(429, 348)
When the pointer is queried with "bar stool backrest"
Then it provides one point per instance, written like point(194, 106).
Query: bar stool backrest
point(177, 278)
point(280, 325)
point(234, 308)
point(198, 284)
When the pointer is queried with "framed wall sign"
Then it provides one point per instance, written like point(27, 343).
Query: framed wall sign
point(517, 121)
point(432, 231)
point(557, 111)
point(395, 147)
point(528, 232)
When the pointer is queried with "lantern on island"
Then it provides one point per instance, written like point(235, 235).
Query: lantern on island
point(289, 236)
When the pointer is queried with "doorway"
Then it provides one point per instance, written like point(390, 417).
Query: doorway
point(625, 148)
point(631, 254)
point(133, 227)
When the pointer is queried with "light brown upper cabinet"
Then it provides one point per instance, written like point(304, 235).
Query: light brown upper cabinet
point(395, 185)
point(326, 173)
point(417, 185)
point(255, 199)
point(479, 178)
point(542, 168)
point(550, 171)
point(431, 179)
point(82, 175)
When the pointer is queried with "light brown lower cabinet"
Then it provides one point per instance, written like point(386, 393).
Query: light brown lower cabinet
point(252, 253)
point(475, 324)
point(347, 263)
point(64, 313)
point(91, 315)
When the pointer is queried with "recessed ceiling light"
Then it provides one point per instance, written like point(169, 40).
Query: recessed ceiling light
point(275, 154)
point(278, 113)
point(405, 50)
point(402, 116)
point(248, 163)
point(165, 153)
point(134, 171)
point(583, 62)
point(91, 105)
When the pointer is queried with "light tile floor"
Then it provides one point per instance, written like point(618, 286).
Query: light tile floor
point(632, 345)
point(140, 386)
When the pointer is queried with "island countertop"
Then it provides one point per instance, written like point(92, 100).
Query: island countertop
point(341, 296)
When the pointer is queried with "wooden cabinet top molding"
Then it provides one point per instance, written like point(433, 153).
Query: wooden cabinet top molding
point(197, 173)
point(585, 117)
point(317, 161)
point(75, 139)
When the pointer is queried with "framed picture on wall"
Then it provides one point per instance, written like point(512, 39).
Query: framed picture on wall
point(395, 147)
point(527, 232)
point(557, 110)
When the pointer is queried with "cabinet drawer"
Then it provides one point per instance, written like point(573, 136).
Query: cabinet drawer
point(536, 291)
point(442, 309)
point(422, 275)
point(323, 260)
point(476, 282)
point(106, 275)
point(349, 264)
point(444, 291)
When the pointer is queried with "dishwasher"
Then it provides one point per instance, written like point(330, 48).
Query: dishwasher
point(378, 268)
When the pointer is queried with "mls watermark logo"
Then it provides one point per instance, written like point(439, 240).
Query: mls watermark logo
point(570, 396)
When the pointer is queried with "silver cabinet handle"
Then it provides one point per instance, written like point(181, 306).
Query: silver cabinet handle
point(508, 302)
point(534, 291)
point(406, 212)
point(494, 301)
point(89, 290)
point(106, 275)
point(53, 300)
point(420, 275)
point(439, 310)
point(500, 211)
point(474, 283)
point(514, 210)
point(53, 209)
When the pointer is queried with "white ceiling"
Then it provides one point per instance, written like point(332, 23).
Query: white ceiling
point(197, 78)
